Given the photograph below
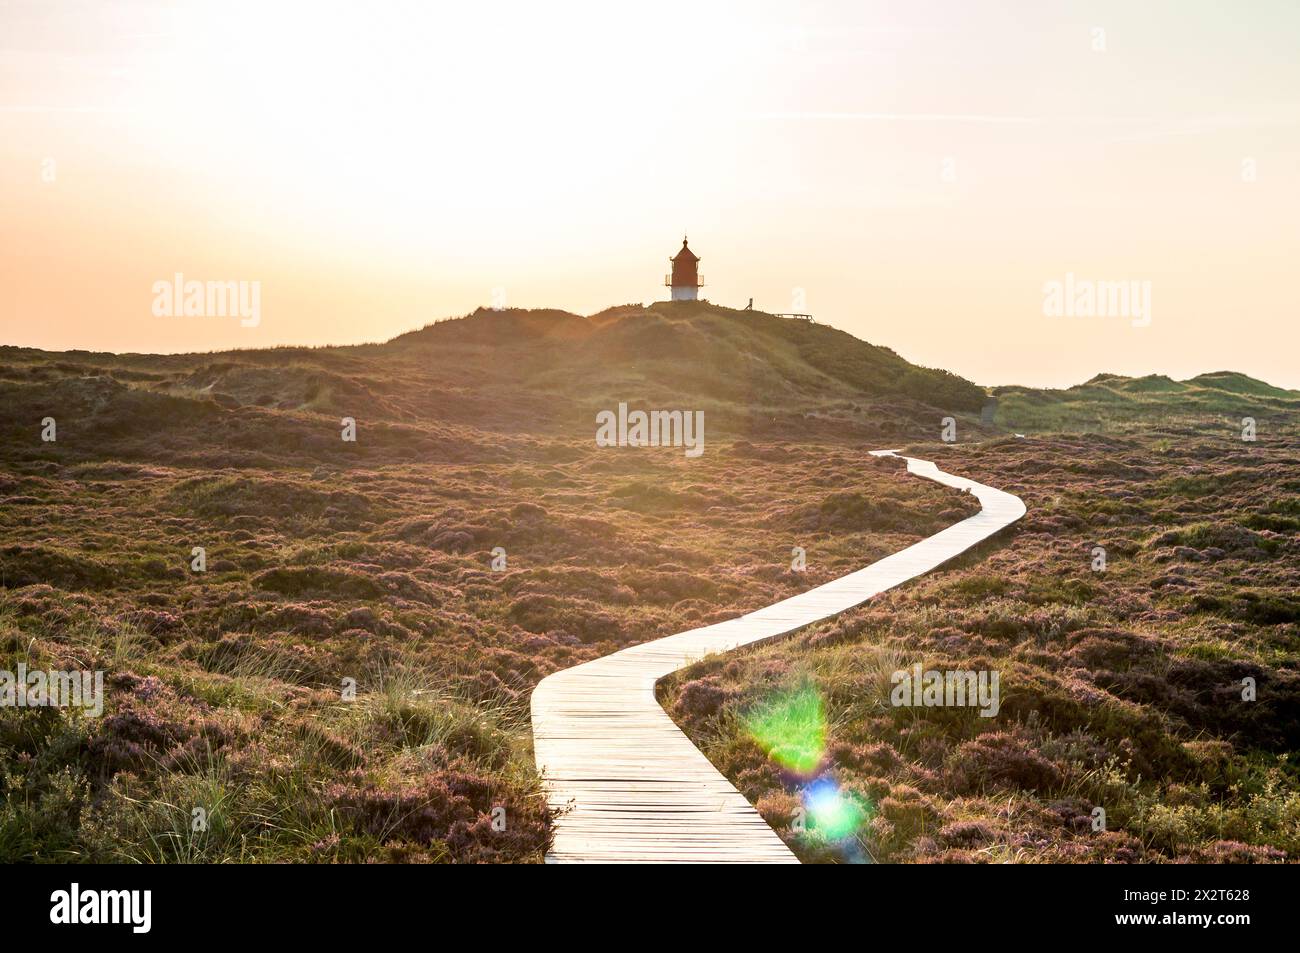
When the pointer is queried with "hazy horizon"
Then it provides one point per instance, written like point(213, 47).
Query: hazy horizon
point(914, 176)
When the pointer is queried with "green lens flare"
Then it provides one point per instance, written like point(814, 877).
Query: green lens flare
point(791, 728)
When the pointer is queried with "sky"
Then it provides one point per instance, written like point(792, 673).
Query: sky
point(917, 173)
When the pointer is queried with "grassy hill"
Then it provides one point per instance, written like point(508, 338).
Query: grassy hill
point(1109, 402)
point(437, 393)
point(740, 359)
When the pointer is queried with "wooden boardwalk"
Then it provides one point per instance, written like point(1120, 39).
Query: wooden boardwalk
point(637, 790)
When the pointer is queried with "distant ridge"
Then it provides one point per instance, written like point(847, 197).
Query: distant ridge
point(491, 376)
point(1110, 401)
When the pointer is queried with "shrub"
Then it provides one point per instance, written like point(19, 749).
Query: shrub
point(1001, 759)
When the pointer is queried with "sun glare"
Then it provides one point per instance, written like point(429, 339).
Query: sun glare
point(394, 113)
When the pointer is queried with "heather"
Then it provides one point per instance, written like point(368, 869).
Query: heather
point(347, 678)
point(1121, 688)
point(330, 563)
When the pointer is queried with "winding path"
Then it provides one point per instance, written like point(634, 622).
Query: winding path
point(637, 790)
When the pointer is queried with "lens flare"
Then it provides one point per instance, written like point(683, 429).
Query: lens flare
point(834, 814)
point(791, 728)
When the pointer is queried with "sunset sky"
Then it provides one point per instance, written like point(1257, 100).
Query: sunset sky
point(917, 171)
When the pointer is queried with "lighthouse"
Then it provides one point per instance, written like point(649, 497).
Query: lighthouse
point(685, 279)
